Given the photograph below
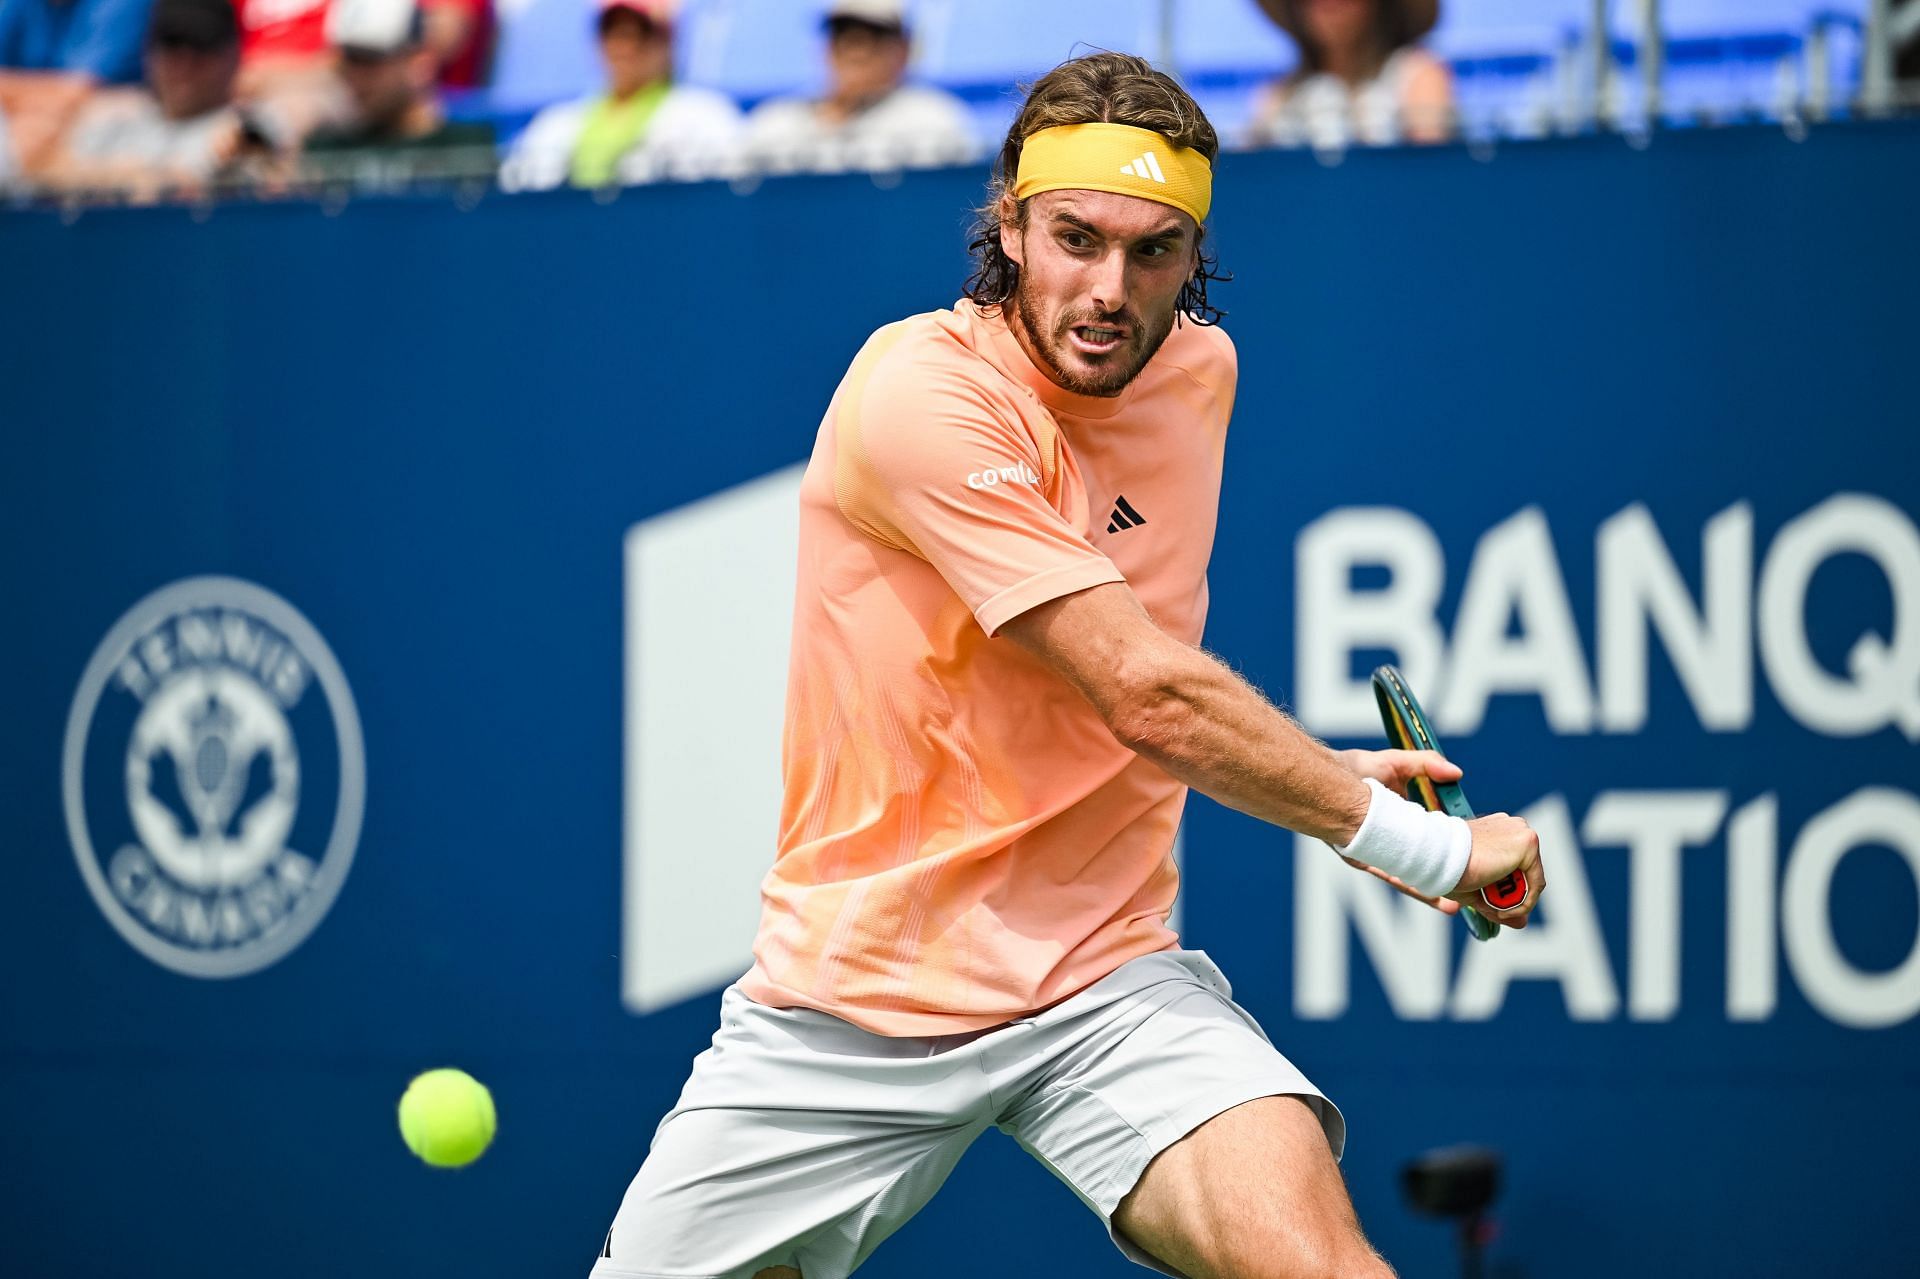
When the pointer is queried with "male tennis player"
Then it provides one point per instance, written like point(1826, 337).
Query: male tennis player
point(996, 706)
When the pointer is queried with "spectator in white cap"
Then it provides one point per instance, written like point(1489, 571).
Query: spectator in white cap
point(390, 74)
point(644, 127)
point(869, 117)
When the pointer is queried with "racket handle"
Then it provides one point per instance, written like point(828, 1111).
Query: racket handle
point(1507, 893)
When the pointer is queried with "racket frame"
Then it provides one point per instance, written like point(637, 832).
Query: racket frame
point(1408, 730)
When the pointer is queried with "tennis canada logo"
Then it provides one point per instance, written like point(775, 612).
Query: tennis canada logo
point(213, 777)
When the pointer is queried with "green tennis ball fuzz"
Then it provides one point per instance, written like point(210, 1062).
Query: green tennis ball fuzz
point(446, 1117)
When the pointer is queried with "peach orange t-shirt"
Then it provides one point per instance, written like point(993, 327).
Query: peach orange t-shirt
point(962, 840)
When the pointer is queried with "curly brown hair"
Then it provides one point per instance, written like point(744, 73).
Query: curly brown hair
point(1115, 88)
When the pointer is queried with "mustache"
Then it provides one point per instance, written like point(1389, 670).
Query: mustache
point(1118, 319)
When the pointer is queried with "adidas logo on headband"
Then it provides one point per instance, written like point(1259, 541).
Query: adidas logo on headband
point(1147, 166)
point(1119, 158)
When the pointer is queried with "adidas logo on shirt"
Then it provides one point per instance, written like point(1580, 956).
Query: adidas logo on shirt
point(1124, 516)
point(1147, 166)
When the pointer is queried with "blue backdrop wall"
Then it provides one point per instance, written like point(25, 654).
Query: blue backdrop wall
point(428, 427)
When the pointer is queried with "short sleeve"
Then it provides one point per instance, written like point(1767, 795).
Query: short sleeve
point(107, 40)
point(928, 463)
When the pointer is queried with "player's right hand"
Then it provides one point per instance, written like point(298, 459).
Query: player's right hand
point(1502, 844)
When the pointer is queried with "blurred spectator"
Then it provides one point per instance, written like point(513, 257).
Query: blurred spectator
point(460, 33)
point(52, 55)
point(286, 80)
point(287, 63)
point(178, 131)
point(389, 73)
point(1361, 78)
point(643, 127)
point(1906, 54)
point(870, 117)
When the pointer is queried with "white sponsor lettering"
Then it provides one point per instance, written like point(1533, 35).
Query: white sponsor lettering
point(1656, 827)
point(1407, 941)
point(1640, 589)
point(1753, 968)
point(1332, 621)
point(1565, 943)
point(1562, 944)
point(1872, 815)
point(1882, 685)
point(1514, 631)
point(988, 477)
point(1515, 577)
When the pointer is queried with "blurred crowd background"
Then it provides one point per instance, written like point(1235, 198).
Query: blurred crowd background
point(192, 99)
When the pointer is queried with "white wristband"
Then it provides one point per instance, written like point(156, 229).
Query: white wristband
point(1426, 851)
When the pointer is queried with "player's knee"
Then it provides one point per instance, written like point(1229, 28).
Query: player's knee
point(777, 1272)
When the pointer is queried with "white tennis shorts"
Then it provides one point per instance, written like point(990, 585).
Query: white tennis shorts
point(801, 1140)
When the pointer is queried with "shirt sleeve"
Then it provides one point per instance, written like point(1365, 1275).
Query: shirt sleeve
point(931, 465)
point(539, 158)
point(107, 40)
point(90, 136)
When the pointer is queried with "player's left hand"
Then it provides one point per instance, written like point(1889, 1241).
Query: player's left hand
point(1393, 769)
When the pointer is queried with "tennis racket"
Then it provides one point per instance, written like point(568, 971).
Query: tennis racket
point(1408, 730)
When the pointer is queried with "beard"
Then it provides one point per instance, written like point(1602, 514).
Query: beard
point(1074, 372)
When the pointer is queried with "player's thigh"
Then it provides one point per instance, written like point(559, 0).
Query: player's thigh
point(1251, 1193)
point(799, 1141)
point(1124, 1082)
point(726, 1193)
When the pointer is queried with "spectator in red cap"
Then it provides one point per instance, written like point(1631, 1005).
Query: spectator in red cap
point(643, 127)
point(869, 117)
point(1362, 76)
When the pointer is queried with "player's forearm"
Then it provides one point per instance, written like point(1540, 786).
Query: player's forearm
point(1212, 730)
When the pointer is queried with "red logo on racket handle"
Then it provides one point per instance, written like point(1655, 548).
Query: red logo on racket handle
point(1507, 894)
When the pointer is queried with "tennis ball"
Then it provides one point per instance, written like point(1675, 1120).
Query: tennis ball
point(446, 1117)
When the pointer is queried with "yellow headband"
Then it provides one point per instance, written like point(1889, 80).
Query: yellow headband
point(1118, 158)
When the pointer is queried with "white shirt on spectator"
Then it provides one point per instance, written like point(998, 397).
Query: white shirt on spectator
point(130, 128)
point(912, 127)
point(1323, 111)
point(6, 151)
point(695, 133)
